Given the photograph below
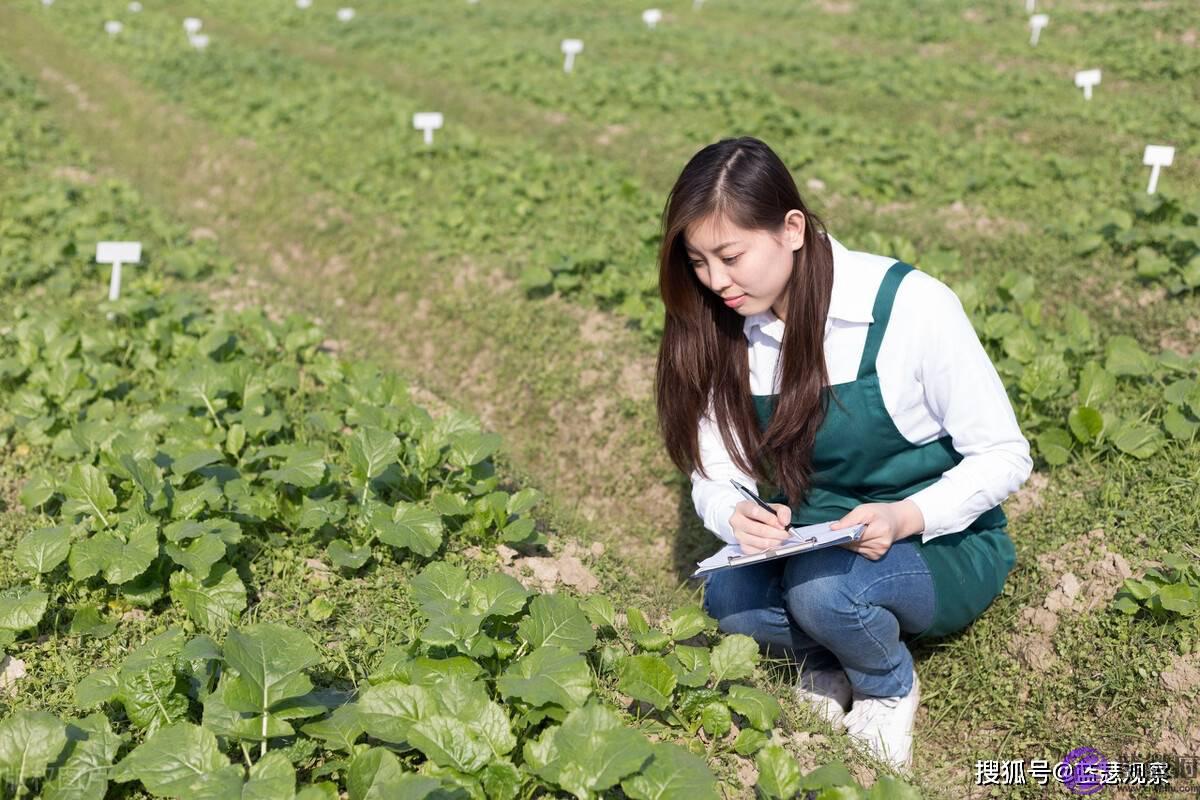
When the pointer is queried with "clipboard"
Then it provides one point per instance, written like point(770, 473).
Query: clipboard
point(803, 539)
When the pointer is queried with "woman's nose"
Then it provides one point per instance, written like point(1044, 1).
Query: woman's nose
point(719, 279)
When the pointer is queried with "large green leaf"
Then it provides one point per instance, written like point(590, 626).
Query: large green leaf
point(647, 677)
point(388, 710)
point(549, 674)
point(440, 588)
point(376, 774)
point(672, 774)
point(81, 772)
point(151, 692)
point(272, 777)
point(497, 595)
point(43, 549)
point(1086, 423)
point(303, 467)
point(270, 660)
point(468, 449)
point(29, 741)
point(688, 621)
point(1138, 439)
point(779, 775)
point(22, 608)
point(1126, 357)
point(590, 752)
point(372, 450)
point(691, 665)
point(449, 742)
point(409, 527)
point(760, 708)
point(340, 730)
point(176, 760)
point(198, 555)
point(557, 619)
point(734, 657)
point(87, 493)
point(120, 560)
point(215, 602)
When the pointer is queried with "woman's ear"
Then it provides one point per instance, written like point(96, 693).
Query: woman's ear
point(796, 224)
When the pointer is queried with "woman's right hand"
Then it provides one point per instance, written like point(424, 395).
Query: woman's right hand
point(756, 529)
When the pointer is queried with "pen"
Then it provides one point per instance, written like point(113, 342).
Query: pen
point(752, 496)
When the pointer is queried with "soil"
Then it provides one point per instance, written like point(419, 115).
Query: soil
point(1087, 575)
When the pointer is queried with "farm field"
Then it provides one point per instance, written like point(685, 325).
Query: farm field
point(383, 411)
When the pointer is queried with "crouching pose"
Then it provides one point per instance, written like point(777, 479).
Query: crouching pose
point(855, 386)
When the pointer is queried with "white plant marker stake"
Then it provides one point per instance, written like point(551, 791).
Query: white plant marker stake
point(303, 4)
point(651, 17)
point(1087, 79)
point(1037, 22)
point(117, 253)
point(428, 121)
point(345, 14)
point(47, 3)
point(199, 40)
point(192, 25)
point(473, 2)
point(135, 6)
point(696, 4)
point(1029, 6)
point(1156, 157)
point(112, 27)
point(571, 47)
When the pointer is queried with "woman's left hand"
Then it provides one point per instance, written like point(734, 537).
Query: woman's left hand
point(886, 523)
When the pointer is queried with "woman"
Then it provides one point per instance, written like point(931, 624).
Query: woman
point(890, 413)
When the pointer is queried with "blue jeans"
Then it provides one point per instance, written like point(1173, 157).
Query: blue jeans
point(831, 607)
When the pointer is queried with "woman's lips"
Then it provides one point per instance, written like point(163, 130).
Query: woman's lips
point(736, 301)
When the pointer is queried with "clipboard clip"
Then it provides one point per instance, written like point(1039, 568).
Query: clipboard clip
point(770, 551)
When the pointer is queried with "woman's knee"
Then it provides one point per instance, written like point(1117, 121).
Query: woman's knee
point(735, 594)
point(822, 603)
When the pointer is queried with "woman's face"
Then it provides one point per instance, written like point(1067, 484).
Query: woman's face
point(754, 265)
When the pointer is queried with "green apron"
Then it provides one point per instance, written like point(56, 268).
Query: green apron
point(859, 456)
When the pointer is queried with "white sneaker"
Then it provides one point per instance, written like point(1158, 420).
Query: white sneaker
point(826, 691)
point(885, 724)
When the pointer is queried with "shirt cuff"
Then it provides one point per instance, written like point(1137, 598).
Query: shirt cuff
point(720, 511)
point(941, 505)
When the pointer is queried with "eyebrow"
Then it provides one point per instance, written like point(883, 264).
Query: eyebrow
point(716, 249)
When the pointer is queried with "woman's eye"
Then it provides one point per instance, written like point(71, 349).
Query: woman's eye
point(729, 259)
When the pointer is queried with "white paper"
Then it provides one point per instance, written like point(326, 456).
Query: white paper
point(821, 532)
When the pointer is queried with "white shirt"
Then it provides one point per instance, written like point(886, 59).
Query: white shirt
point(935, 378)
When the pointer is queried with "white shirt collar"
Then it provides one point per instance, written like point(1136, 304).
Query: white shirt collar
point(847, 301)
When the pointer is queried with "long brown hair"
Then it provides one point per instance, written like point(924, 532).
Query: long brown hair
point(703, 352)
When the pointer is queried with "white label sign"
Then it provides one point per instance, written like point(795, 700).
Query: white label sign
point(1086, 79)
point(1037, 22)
point(135, 6)
point(122, 252)
point(117, 253)
point(199, 40)
point(651, 16)
point(345, 14)
point(112, 27)
point(192, 25)
point(571, 47)
point(1156, 157)
point(428, 121)
point(302, 4)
